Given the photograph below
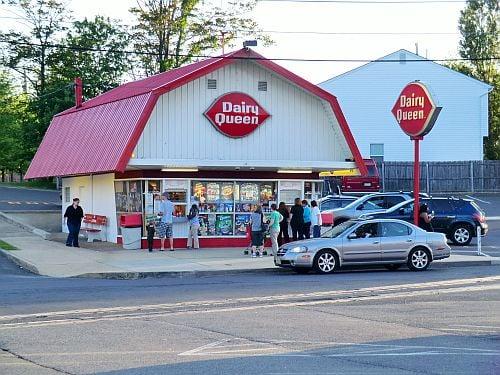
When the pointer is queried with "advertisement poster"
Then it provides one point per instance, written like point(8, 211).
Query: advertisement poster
point(199, 192)
point(207, 225)
point(249, 192)
point(213, 192)
point(227, 191)
point(224, 225)
point(241, 223)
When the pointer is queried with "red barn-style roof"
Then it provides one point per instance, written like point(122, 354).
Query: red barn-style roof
point(100, 136)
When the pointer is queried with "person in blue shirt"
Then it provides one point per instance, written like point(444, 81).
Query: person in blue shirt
point(165, 230)
point(307, 219)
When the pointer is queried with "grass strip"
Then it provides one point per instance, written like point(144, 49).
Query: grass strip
point(7, 246)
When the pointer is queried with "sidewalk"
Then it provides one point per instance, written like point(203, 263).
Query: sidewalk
point(54, 259)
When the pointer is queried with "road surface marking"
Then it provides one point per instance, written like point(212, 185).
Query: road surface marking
point(225, 302)
point(349, 299)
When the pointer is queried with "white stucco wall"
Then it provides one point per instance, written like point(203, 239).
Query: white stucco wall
point(97, 196)
point(367, 95)
point(301, 132)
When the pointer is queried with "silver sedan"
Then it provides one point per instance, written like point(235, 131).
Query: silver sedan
point(387, 242)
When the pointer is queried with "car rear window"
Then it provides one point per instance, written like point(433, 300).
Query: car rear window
point(441, 205)
point(466, 207)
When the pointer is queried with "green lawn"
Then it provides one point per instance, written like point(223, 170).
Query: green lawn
point(38, 184)
point(7, 246)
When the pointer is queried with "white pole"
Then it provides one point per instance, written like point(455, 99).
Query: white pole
point(478, 233)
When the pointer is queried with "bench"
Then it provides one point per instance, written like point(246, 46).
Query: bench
point(95, 226)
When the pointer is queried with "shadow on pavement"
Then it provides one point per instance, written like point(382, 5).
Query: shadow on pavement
point(435, 354)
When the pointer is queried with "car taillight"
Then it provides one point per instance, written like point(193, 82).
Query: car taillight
point(479, 217)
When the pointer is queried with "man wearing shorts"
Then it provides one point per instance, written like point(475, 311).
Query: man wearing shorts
point(166, 211)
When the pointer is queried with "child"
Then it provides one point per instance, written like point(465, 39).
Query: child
point(150, 228)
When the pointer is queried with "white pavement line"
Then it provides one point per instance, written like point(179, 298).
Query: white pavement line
point(330, 293)
point(473, 325)
point(494, 218)
point(247, 308)
point(477, 330)
point(207, 346)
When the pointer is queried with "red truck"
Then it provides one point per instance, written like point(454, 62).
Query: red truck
point(362, 184)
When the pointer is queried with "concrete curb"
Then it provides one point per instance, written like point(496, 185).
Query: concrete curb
point(30, 228)
point(180, 274)
point(20, 262)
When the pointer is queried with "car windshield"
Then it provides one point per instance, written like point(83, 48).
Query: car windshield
point(338, 230)
point(405, 204)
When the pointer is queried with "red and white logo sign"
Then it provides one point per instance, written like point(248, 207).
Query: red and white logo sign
point(236, 114)
point(415, 110)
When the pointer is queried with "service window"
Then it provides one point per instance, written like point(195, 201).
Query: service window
point(395, 230)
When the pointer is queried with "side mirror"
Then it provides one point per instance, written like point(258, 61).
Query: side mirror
point(352, 236)
point(401, 211)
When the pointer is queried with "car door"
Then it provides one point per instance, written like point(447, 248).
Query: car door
point(365, 247)
point(396, 240)
point(444, 214)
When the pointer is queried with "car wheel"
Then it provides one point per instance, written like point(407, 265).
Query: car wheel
point(461, 234)
point(326, 262)
point(419, 259)
point(301, 270)
point(393, 267)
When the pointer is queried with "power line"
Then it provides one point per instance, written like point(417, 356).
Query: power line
point(374, 2)
point(142, 53)
point(351, 33)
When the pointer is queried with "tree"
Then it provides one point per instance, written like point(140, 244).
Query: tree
point(170, 33)
point(94, 51)
point(12, 107)
point(29, 52)
point(479, 25)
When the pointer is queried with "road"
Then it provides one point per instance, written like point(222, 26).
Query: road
point(355, 322)
point(22, 199)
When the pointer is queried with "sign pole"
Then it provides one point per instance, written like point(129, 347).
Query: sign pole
point(416, 179)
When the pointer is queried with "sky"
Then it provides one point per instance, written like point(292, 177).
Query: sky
point(417, 21)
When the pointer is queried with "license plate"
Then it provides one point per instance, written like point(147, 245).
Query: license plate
point(367, 184)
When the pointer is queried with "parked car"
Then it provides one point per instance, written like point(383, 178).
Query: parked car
point(388, 242)
point(362, 184)
point(457, 218)
point(367, 204)
point(335, 201)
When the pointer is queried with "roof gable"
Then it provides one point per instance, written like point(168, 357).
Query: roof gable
point(107, 112)
point(409, 56)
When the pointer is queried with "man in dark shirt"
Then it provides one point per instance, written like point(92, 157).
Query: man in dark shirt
point(73, 217)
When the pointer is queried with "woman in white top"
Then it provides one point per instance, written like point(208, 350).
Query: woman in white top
point(316, 221)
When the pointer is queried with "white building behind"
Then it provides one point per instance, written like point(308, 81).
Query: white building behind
point(367, 94)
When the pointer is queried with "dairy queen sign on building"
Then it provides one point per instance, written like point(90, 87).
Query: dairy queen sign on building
point(226, 133)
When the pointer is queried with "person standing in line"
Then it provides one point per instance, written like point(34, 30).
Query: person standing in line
point(297, 220)
point(274, 227)
point(307, 219)
point(425, 218)
point(283, 236)
point(194, 226)
point(73, 217)
point(165, 230)
point(256, 221)
point(316, 220)
point(150, 230)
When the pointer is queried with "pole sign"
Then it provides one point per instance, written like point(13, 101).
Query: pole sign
point(415, 111)
point(236, 114)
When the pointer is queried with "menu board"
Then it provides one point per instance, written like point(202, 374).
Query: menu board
point(224, 225)
point(241, 223)
point(267, 193)
point(249, 192)
point(213, 192)
point(128, 196)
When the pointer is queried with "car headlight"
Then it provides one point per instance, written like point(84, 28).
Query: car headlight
point(298, 249)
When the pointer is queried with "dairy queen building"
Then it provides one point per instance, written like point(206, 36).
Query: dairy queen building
point(226, 133)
